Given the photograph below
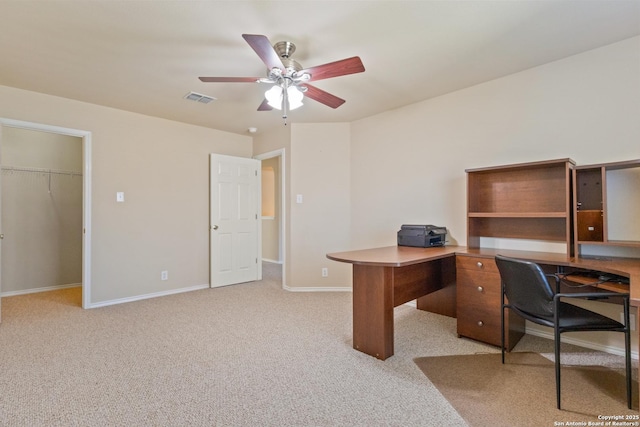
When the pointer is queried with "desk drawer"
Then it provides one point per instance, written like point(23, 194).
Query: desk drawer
point(479, 306)
point(477, 264)
point(479, 302)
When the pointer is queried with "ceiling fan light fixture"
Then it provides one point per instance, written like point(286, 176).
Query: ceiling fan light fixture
point(274, 97)
point(288, 78)
point(295, 97)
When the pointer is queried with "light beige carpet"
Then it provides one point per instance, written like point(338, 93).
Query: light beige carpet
point(247, 355)
point(522, 391)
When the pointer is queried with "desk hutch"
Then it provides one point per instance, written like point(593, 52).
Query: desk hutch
point(523, 201)
point(552, 201)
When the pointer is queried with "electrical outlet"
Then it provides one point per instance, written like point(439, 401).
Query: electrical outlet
point(325, 272)
point(164, 275)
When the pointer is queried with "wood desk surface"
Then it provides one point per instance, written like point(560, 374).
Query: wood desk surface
point(398, 256)
point(394, 256)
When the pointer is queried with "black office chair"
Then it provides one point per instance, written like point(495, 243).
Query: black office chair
point(530, 295)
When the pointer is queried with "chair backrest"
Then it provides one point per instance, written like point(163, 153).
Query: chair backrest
point(526, 286)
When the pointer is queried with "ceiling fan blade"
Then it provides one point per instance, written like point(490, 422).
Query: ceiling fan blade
point(265, 106)
point(265, 51)
point(229, 79)
point(334, 69)
point(323, 97)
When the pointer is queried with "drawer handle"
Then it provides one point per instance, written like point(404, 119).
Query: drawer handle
point(480, 289)
point(479, 264)
point(480, 323)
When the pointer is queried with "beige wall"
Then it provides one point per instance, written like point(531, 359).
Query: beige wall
point(44, 150)
point(409, 163)
point(320, 163)
point(317, 162)
point(163, 169)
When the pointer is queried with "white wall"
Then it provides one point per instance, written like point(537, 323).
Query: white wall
point(163, 169)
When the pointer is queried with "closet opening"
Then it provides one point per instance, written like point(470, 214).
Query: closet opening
point(44, 197)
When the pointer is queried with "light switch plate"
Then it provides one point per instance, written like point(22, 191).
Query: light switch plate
point(120, 196)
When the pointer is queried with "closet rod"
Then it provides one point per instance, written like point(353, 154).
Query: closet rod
point(37, 170)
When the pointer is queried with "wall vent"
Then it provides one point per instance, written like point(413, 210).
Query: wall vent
point(198, 97)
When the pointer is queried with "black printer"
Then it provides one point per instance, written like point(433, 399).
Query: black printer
point(422, 236)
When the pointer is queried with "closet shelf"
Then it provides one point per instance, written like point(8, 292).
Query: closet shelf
point(40, 170)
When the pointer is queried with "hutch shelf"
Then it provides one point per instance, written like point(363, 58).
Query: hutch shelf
point(607, 200)
point(521, 201)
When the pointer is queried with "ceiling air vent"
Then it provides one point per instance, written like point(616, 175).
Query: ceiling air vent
point(198, 97)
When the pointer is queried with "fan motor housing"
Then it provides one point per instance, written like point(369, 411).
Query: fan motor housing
point(290, 64)
point(284, 49)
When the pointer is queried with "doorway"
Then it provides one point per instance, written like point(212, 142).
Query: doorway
point(53, 179)
point(274, 208)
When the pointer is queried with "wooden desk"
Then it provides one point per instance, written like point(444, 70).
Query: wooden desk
point(384, 278)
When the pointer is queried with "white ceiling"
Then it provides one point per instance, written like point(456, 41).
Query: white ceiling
point(145, 56)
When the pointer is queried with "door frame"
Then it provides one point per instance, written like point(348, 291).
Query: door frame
point(86, 192)
point(283, 211)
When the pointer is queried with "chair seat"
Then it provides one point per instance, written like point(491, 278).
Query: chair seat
point(577, 318)
point(574, 318)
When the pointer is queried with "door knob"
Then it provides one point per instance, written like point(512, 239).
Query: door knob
point(215, 227)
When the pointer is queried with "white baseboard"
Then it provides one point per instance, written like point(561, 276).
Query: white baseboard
point(582, 343)
point(36, 290)
point(148, 296)
point(316, 289)
point(272, 261)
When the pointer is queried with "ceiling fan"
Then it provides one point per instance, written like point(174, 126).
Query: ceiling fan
point(290, 81)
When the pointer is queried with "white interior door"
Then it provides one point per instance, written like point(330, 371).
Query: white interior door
point(235, 220)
